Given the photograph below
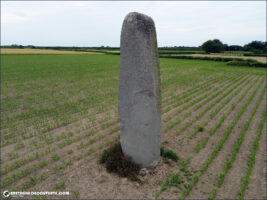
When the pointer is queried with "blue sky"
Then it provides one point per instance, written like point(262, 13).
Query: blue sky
point(90, 23)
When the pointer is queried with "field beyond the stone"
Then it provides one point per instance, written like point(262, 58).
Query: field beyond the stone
point(59, 113)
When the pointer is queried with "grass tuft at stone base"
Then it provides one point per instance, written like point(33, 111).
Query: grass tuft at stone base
point(167, 153)
point(115, 162)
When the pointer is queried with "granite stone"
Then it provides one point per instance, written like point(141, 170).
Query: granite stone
point(139, 103)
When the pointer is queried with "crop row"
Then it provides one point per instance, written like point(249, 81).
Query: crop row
point(25, 134)
point(24, 172)
point(178, 120)
point(200, 145)
point(169, 99)
point(46, 139)
point(12, 137)
point(220, 107)
point(198, 116)
point(69, 138)
point(29, 134)
point(231, 158)
point(229, 161)
point(63, 164)
point(185, 107)
point(228, 131)
point(54, 118)
point(195, 178)
point(251, 158)
point(225, 136)
point(180, 102)
point(202, 87)
point(195, 93)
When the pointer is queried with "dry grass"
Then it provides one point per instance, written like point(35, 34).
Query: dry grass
point(42, 51)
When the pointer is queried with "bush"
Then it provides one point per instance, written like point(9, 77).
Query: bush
point(255, 54)
point(180, 52)
point(250, 63)
point(213, 46)
point(115, 162)
point(230, 61)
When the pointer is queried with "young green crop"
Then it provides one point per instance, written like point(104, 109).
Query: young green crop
point(192, 93)
point(207, 108)
point(228, 131)
point(251, 158)
point(204, 140)
point(231, 158)
point(219, 146)
point(40, 93)
point(195, 100)
point(178, 120)
point(238, 143)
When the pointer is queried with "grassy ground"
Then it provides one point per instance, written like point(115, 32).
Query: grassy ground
point(59, 112)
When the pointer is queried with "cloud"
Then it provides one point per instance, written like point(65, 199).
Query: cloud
point(93, 23)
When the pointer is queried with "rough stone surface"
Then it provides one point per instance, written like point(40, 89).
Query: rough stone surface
point(139, 91)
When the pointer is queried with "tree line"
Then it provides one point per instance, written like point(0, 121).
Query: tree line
point(216, 46)
point(210, 46)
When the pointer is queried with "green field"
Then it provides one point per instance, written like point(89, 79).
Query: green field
point(58, 113)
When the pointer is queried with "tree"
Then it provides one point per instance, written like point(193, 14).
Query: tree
point(225, 47)
point(235, 48)
point(213, 46)
point(255, 46)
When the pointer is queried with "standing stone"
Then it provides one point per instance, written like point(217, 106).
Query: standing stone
point(139, 102)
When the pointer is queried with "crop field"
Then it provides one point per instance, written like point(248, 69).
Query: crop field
point(59, 112)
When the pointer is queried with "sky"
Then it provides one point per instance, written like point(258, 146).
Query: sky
point(91, 23)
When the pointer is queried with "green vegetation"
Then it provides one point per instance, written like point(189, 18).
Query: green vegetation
point(55, 157)
point(229, 61)
point(219, 146)
point(251, 158)
point(60, 110)
point(201, 144)
point(115, 162)
point(212, 46)
point(61, 185)
point(167, 153)
point(250, 63)
point(76, 193)
point(195, 101)
point(238, 143)
point(213, 194)
point(209, 106)
point(13, 155)
point(227, 132)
